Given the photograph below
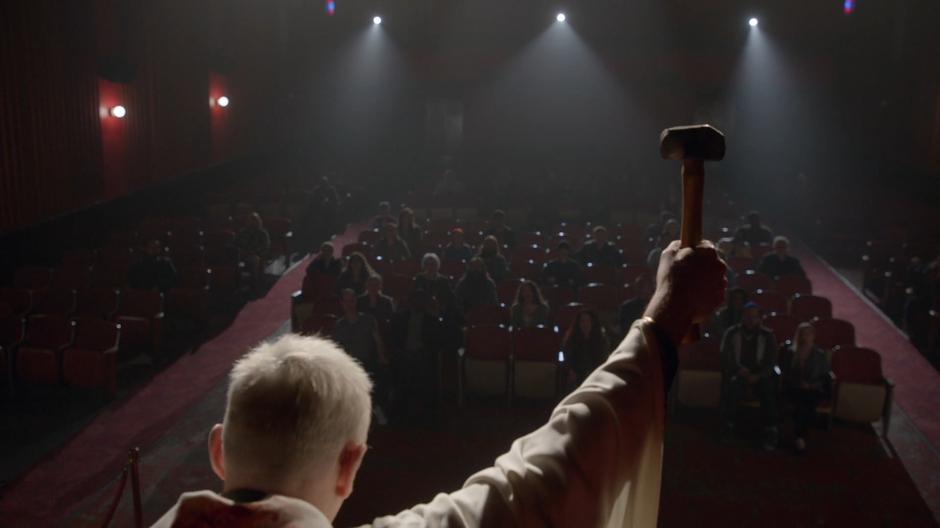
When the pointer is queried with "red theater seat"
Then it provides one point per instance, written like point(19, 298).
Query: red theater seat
point(97, 302)
point(831, 333)
point(770, 302)
point(790, 285)
point(19, 300)
point(782, 325)
point(535, 362)
point(566, 313)
point(600, 274)
point(740, 265)
point(506, 290)
point(603, 297)
point(91, 361)
point(809, 307)
point(487, 314)
point(72, 278)
point(525, 269)
point(319, 323)
point(141, 317)
point(32, 278)
point(752, 281)
point(39, 358)
point(862, 393)
point(55, 301)
point(484, 364)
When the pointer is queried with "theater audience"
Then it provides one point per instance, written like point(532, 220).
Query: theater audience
point(805, 379)
point(374, 302)
point(754, 232)
point(669, 233)
point(633, 308)
point(456, 250)
point(529, 308)
point(730, 314)
point(431, 281)
point(495, 262)
point(563, 271)
point(654, 230)
point(600, 251)
point(356, 273)
point(735, 247)
point(749, 361)
point(391, 247)
point(780, 262)
point(152, 270)
point(253, 243)
point(500, 230)
point(475, 287)
point(383, 217)
point(358, 334)
point(325, 262)
point(419, 335)
point(585, 344)
point(409, 230)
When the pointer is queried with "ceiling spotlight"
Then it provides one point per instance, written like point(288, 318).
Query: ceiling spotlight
point(118, 111)
point(223, 101)
point(376, 20)
point(752, 22)
point(560, 17)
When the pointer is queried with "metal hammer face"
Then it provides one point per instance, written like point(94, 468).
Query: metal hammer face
point(696, 142)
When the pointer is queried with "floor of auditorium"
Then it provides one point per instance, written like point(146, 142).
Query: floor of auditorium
point(851, 476)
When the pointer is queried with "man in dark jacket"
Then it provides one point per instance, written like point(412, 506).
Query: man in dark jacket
point(563, 271)
point(749, 365)
point(780, 262)
point(600, 251)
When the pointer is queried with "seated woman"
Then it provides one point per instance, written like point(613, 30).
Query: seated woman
point(326, 262)
point(530, 308)
point(585, 344)
point(494, 260)
point(355, 275)
point(805, 378)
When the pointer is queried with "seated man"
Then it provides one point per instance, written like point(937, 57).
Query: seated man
point(500, 230)
point(476, 287)
point(563, 271)
point(391, 247)
point(754, 232)
point(457, 250)
point(358, 334)
point(780, 262)
point(374, 302)
point(153, 270)
point(600, 251)
point(325, 262)
point(431, 281)
point(297, 416)
point(749, 364)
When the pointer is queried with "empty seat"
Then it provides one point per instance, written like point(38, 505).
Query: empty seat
point(39, 358)
point(141, 317)
point(32, 278)
point(790, 285)
point(72, 278)
point(806, 307)
point(782, 325)
point(770, 301)
point(487, 314)
point(535, 362)
point(862, 393)
point(831, 333)
point(752, 281)
point(600, 274)
point(96, 302)
point(57, 301)
point(20, 300)
point(484, 364)
point(698, 381)
point(91, 360)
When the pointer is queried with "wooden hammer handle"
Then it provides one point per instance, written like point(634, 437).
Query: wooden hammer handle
point(693, 189)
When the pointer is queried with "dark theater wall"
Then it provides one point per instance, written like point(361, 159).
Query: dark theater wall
point(63, 65)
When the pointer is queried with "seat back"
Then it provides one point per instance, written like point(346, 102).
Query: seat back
point(853, 364)
point(97, 302)
point(782, 325)
point(96, 334)
point(740, 265)
point(752, 281)
point(603, 297)
point(834, 332)
point(807, 307)
point(57, 301)
point(12, 331)
point(487, 314)
point(141, 303)
point(600, 274)
point(790, 285)
point(770, 302)
point(488, 342)
point(566, 313)
point(538, 343)
point(48, 331)
point(319, 323)
point(525, 269)
point(20, 300)
point(32, 277)
point(73, 278)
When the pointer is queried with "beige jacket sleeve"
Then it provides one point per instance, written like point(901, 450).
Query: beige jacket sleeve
point(597, 462)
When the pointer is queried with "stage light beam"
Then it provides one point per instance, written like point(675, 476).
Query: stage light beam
point(118, 111)
point(376, 20)
point(561, 17)
point(223, 101)
point(753, 22)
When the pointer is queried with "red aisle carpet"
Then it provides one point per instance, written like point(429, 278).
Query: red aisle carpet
point(49, 490)
point(918, 383)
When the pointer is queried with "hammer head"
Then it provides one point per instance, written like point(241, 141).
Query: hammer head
point(702, 142)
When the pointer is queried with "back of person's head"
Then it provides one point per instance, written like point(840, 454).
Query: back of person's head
point(296, 421)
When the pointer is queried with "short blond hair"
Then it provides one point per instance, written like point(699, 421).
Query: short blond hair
point(293, 404)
